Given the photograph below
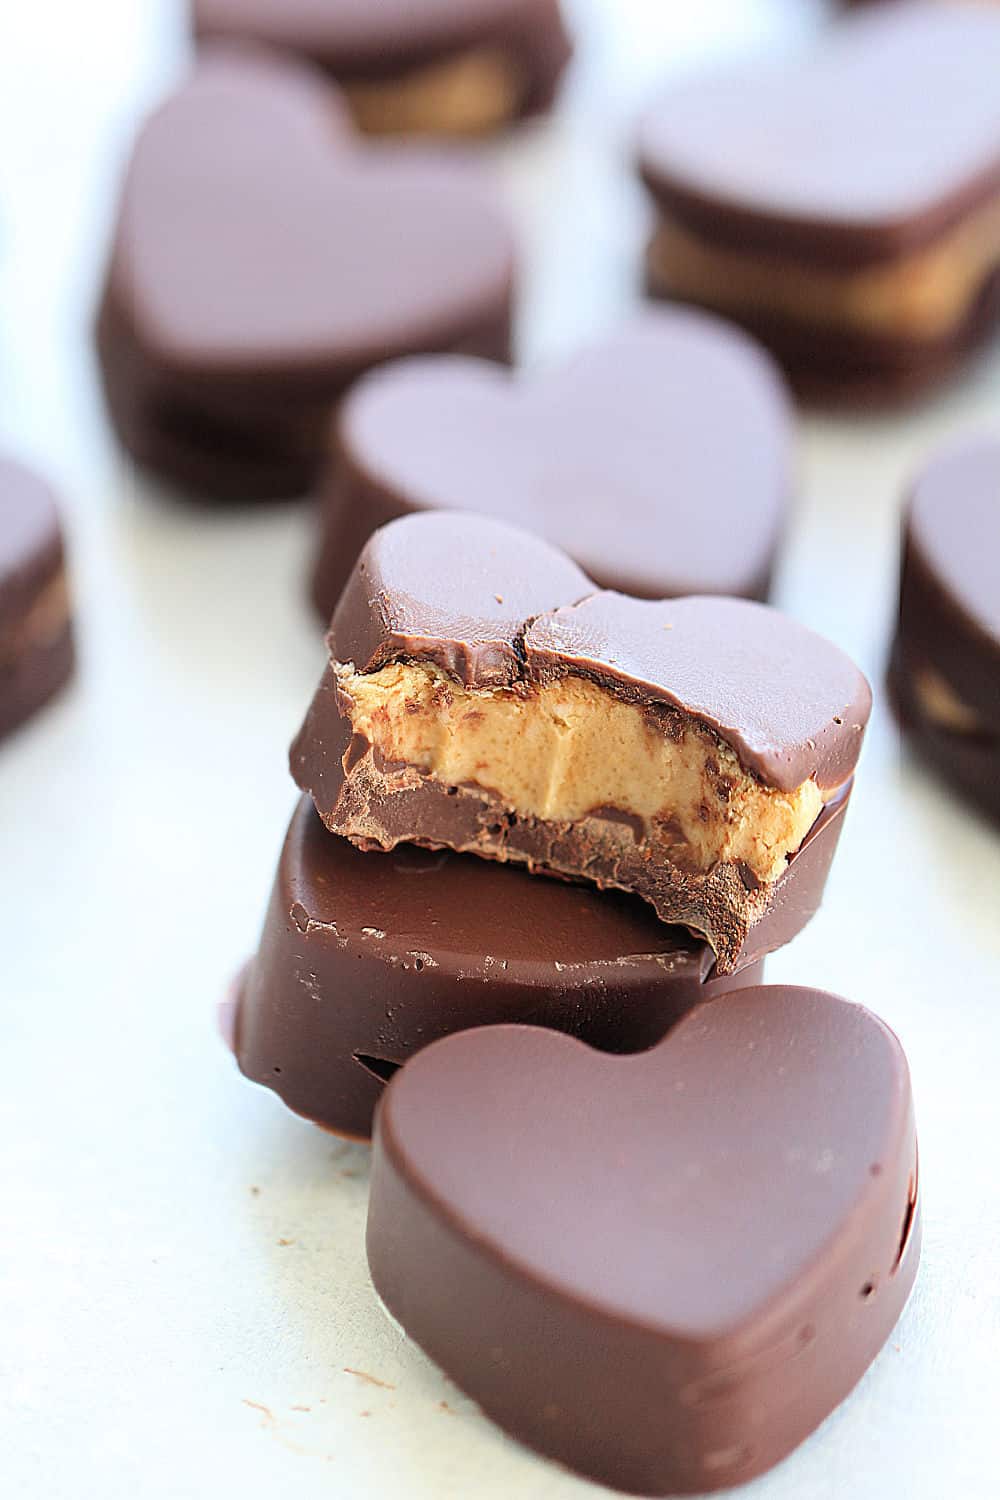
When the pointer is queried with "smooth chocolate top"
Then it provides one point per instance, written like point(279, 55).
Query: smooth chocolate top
point(31, 546)
point(950, 604)
point(659, 458)
point(693, 1220)
point(453, 589)
point(364, 34)
point(254, 230)
point(877, 142)
point(489, 604)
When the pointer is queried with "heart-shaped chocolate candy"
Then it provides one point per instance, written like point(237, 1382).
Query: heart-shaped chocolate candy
point(845, 207)
point(659, 459)
point(263, 259)
point(481, 695)
point(662, 1270)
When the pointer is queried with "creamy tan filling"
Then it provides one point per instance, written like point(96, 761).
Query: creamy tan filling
point(922, 295)
point(41, 623)
point(475, 92)
point(942, 705)
point(568, 748)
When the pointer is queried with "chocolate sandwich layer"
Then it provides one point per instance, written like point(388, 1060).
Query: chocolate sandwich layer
point(256, 271)
point(866, 249)
point(614, 455)
point(366, 958)
point(443, 67)
point(36, 635)
point(482, 696)
point(662, 1271)
point(944, 670)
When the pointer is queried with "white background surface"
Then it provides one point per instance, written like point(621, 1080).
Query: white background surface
point(182, 1276)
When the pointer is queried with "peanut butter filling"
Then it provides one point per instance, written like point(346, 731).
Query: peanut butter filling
point(566, 749)
point(473, 93)
point(922, 295)
point(942, 705)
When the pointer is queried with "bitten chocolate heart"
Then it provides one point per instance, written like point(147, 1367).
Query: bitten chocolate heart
point(364, 959)
point(944, 673)
point(663, 1270)
point(456, 67)
point(482, 696)
point(659, 459)
point(36, 635)
point(823, 204)
point(263, 259)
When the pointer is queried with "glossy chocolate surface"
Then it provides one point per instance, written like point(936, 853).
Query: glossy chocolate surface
point(256, 270)
point(366, 958)
point(615, 456)
point(36, 640)
point(664, 1270)
point(864, 170)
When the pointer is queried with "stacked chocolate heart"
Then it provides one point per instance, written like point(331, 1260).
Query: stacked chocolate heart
point(662, 1269)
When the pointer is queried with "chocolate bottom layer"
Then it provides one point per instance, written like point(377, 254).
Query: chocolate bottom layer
point(365, 958)
point(264, 440)
point(970, 762)
point(843, 367)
